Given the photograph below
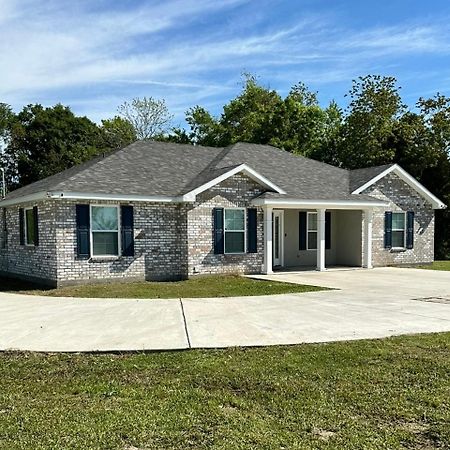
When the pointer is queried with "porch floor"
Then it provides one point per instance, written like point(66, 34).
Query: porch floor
point(331, 268)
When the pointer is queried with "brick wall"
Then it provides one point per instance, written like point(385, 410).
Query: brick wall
point(31, 262)
point(160, 246)
point(236, 191)
point(401, 197)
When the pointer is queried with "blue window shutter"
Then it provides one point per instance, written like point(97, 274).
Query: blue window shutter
point(252, 246)
point(410, 229)
point(127, 230)
point(388, 229)
point(218, 231)
point(36, 226)
point(302, 230)
point(83, 233)
point(21, 227)
point(327, 230)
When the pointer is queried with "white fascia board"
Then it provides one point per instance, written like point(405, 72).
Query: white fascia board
point(191, 195)
point(408, 179)
point(317, 204)
point(116, 197)
point(38, 196)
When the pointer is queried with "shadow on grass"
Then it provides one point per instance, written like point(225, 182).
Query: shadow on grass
point(15, 285)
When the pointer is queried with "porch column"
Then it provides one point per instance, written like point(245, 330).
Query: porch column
point(368, 216)
point(268, 254)
point(321, 240)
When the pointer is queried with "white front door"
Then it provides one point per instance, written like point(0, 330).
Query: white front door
point(278, 233)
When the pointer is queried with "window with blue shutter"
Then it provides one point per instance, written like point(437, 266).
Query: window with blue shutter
point(83, 232)
point(36, 226)
point(327, 230)
point(127, 230)
point(302, 230)
point(388, 229)
point(218, 230)
point(21, 226)
point(410, 229)
point(252, 230)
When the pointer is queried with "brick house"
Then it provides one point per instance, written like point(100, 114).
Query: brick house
point(159, 211)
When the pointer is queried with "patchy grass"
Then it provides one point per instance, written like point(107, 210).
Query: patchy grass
point(379, 394)
point(202, 286)
point(436, 265)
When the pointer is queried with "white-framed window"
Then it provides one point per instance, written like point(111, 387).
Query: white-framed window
point(234, 230)
point(311, 227)
point(398, 229)
point(105, 230)
point(29, 224)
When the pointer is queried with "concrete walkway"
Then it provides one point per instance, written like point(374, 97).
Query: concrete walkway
point(368, 304)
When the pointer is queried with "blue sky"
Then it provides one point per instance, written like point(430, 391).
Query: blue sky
point(95, 54)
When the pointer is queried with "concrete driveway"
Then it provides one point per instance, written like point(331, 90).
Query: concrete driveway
point(367, 304)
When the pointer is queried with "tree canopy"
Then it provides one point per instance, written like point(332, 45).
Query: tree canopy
point(375, 128)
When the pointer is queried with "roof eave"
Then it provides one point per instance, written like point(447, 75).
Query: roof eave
point(407, 178)
point(317, 204)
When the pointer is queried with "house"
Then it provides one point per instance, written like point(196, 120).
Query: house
point(160, 211)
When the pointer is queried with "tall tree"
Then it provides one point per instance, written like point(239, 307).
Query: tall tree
point(45, 141)
point(149, 117)
point(117, 132)
point(374, 109)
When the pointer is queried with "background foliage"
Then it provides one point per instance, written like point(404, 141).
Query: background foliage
point(376, 128)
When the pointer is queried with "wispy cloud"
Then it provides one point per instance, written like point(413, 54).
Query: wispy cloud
point(95, 54)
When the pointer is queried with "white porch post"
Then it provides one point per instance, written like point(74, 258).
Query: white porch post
point(321, 239)
point(268, 254)
point(368, 214)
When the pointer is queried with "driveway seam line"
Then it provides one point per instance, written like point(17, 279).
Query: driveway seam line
point(185, 324)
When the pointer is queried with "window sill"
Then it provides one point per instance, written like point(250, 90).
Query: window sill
point(398, 249)
point(104, 258)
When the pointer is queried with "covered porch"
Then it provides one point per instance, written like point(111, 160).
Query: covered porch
point(302, 235)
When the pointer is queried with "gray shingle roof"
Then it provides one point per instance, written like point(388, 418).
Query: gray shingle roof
point(359, 177)
point(151, 168)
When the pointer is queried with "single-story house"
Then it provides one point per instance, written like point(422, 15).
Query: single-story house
point(161, 211)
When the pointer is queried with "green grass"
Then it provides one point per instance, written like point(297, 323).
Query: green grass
point(437, 265)
point(202, 286)
point(380, 394)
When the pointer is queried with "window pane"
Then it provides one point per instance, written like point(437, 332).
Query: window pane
point(312, 240)
point(30, 226)
point(398, 221)
point(234, 242)
point(234, 219)
point(104, 218)
point(105, 244)
point(312, 221)
point(398, 239)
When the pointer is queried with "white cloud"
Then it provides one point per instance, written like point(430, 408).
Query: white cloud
point(182, 50)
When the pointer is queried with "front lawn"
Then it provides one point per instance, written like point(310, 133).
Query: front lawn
point(379, 394)
point(202, 286)
point(437, 265)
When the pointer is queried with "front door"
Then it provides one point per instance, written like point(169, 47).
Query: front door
point(278, 233)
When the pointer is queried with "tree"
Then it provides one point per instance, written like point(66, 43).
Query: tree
point(45, 141)
point(149, 117)
point(372, 114)
point(117, 132)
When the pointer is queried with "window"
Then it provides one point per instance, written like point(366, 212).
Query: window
point(398, 230)
point(311, 231)
point(30, 238)
point(234, 232)
point(105, 230)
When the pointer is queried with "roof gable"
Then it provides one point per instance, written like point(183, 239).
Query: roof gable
point(407, 178)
